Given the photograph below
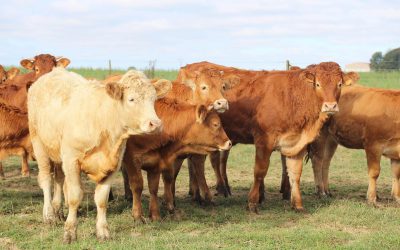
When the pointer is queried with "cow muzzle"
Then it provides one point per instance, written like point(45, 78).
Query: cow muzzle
point(151, 126)
point(330, 107)
point(221, 105)
point(227, 145)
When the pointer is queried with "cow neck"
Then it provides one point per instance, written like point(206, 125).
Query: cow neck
point(301, 103)
point(177, 118)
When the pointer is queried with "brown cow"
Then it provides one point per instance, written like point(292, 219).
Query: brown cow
point(40, 65)
point(7, 75)
point(14, 134)
point(282, 110)
point(369, 120)
point(14, 93)
point(231, 77)
point(187, 129)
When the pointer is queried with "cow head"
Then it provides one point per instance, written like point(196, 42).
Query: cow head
point(207, 134)
point(327, 79)
point(7, 75)
point(208, 88)
point(44, 63)
point(136, 96)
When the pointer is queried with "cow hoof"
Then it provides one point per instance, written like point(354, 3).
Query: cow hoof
point(253, 207)
point(49, 217)
point(155, 218)
point(128, 198)
point(60, 215)
point(103, 233)
point(285, 195)
point(140, 220)
point(69, 236)
point(222, 190)
point(25, 174)
point(396, 199)
point(299, 209)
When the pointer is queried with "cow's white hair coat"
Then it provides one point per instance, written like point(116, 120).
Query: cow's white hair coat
point(76, 122)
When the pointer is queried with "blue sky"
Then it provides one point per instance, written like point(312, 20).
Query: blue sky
point(252, 34)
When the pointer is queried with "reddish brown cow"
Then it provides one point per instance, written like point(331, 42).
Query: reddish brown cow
point(14, 93)
point(7, 75)
point(231, 77)
point(186, 129)
point(40, 65)
point(14, 132)
point(368, 119)
point(282, 110)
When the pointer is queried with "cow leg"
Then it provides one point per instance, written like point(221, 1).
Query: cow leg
point(263, 154)
point(1, 171)
point(374, 168)
point(194, 185)
point(215, 161)
point(127, 189)
point(45, 180)
point(101, 196)
point(294, 168)
point(285, 183)
point(136, 185)
point(198, 162)
point(330, 149)
point(168, 179)
point(222, 167)
point(177, 167)
point(153, 179)
point(24, 164)
point(396, 179)
point(75, 195)
point(58, 191)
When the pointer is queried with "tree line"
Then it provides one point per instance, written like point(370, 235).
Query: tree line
point(388, 61)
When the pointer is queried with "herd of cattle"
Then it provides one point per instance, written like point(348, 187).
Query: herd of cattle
point(70, 124)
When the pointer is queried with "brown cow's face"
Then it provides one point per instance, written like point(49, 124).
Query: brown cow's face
point(207, 134)
point(208, 89)
point(328, 79)
point(43, 64)
point(7, 75)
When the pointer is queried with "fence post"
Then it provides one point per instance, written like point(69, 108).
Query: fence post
point(109, 67)
point(287, 65)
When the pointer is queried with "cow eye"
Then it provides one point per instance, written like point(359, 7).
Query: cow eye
point(131, 99)
point(204, 87)
point(216, 125)
point(224, 87)
point(340, 84)
point(317, 85)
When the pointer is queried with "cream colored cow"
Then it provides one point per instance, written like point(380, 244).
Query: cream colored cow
point(84, 125)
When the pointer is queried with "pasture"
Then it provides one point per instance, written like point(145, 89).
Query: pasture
point(343, 221)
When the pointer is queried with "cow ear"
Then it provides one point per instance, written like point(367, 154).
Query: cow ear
point(201, 113)
point(350, 78)
point(231, 81)
point(115, 90)
point(27, 63)
point(162, 87)
point(12, 73)
point(63, 62)
point(307, 76)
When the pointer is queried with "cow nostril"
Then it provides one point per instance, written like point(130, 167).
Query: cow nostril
point(334, 106)
point(230, 143)
point(219, 103)
point(151, 124)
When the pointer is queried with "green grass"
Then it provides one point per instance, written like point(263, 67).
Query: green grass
point(345, 221)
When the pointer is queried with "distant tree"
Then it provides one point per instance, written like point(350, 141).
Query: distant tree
point(391, 60)
point(376, 60)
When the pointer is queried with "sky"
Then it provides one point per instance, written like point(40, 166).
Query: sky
point(252, 34)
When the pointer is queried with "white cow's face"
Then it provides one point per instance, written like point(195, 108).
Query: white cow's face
point(137, 96)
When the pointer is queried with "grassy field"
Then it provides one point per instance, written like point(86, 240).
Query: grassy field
point(345, 221)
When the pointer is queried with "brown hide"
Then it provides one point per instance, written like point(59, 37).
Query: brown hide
point(368, 119)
